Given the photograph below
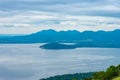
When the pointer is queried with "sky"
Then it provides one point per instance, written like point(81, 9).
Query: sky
point(29, 16)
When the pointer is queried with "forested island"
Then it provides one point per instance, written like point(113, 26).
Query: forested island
point(111, 73)
point(57, 45)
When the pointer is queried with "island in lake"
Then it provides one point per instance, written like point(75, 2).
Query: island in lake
point(57, 45)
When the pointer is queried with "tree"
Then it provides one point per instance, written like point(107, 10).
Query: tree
point(111, 72)
point(118, 69)
point(99, 75)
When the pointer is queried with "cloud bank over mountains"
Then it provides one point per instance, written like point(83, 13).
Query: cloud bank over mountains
point(27, 16)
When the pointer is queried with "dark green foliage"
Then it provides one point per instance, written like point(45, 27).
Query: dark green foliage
point(109, 74)
point(118, 69)
point(99, 75)
point(87, 78)
point(77, 76)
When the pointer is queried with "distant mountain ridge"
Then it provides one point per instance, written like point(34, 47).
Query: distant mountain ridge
point(70, 36)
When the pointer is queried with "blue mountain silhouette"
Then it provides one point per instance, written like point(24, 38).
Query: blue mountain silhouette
point(71, 36)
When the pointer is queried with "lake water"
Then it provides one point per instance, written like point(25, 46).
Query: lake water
point(29, 62)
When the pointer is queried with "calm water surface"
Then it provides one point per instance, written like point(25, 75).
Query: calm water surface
point(29, 62)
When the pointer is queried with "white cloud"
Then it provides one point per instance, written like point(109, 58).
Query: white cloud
point(28, 16)
point(33, 21)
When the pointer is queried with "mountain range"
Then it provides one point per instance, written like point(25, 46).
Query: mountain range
point(70, 36)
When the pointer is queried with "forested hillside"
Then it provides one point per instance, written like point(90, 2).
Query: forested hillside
point(112, 73)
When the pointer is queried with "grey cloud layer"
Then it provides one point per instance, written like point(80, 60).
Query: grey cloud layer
point(79, 7)
point(27, 16)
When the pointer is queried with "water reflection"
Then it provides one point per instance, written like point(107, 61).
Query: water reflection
point(29, 62)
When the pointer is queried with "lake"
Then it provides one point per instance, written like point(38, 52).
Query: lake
point(29, 62)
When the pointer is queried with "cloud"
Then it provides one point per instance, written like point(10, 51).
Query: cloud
point(33, 21)
point(27, 16)
point(81, 7)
